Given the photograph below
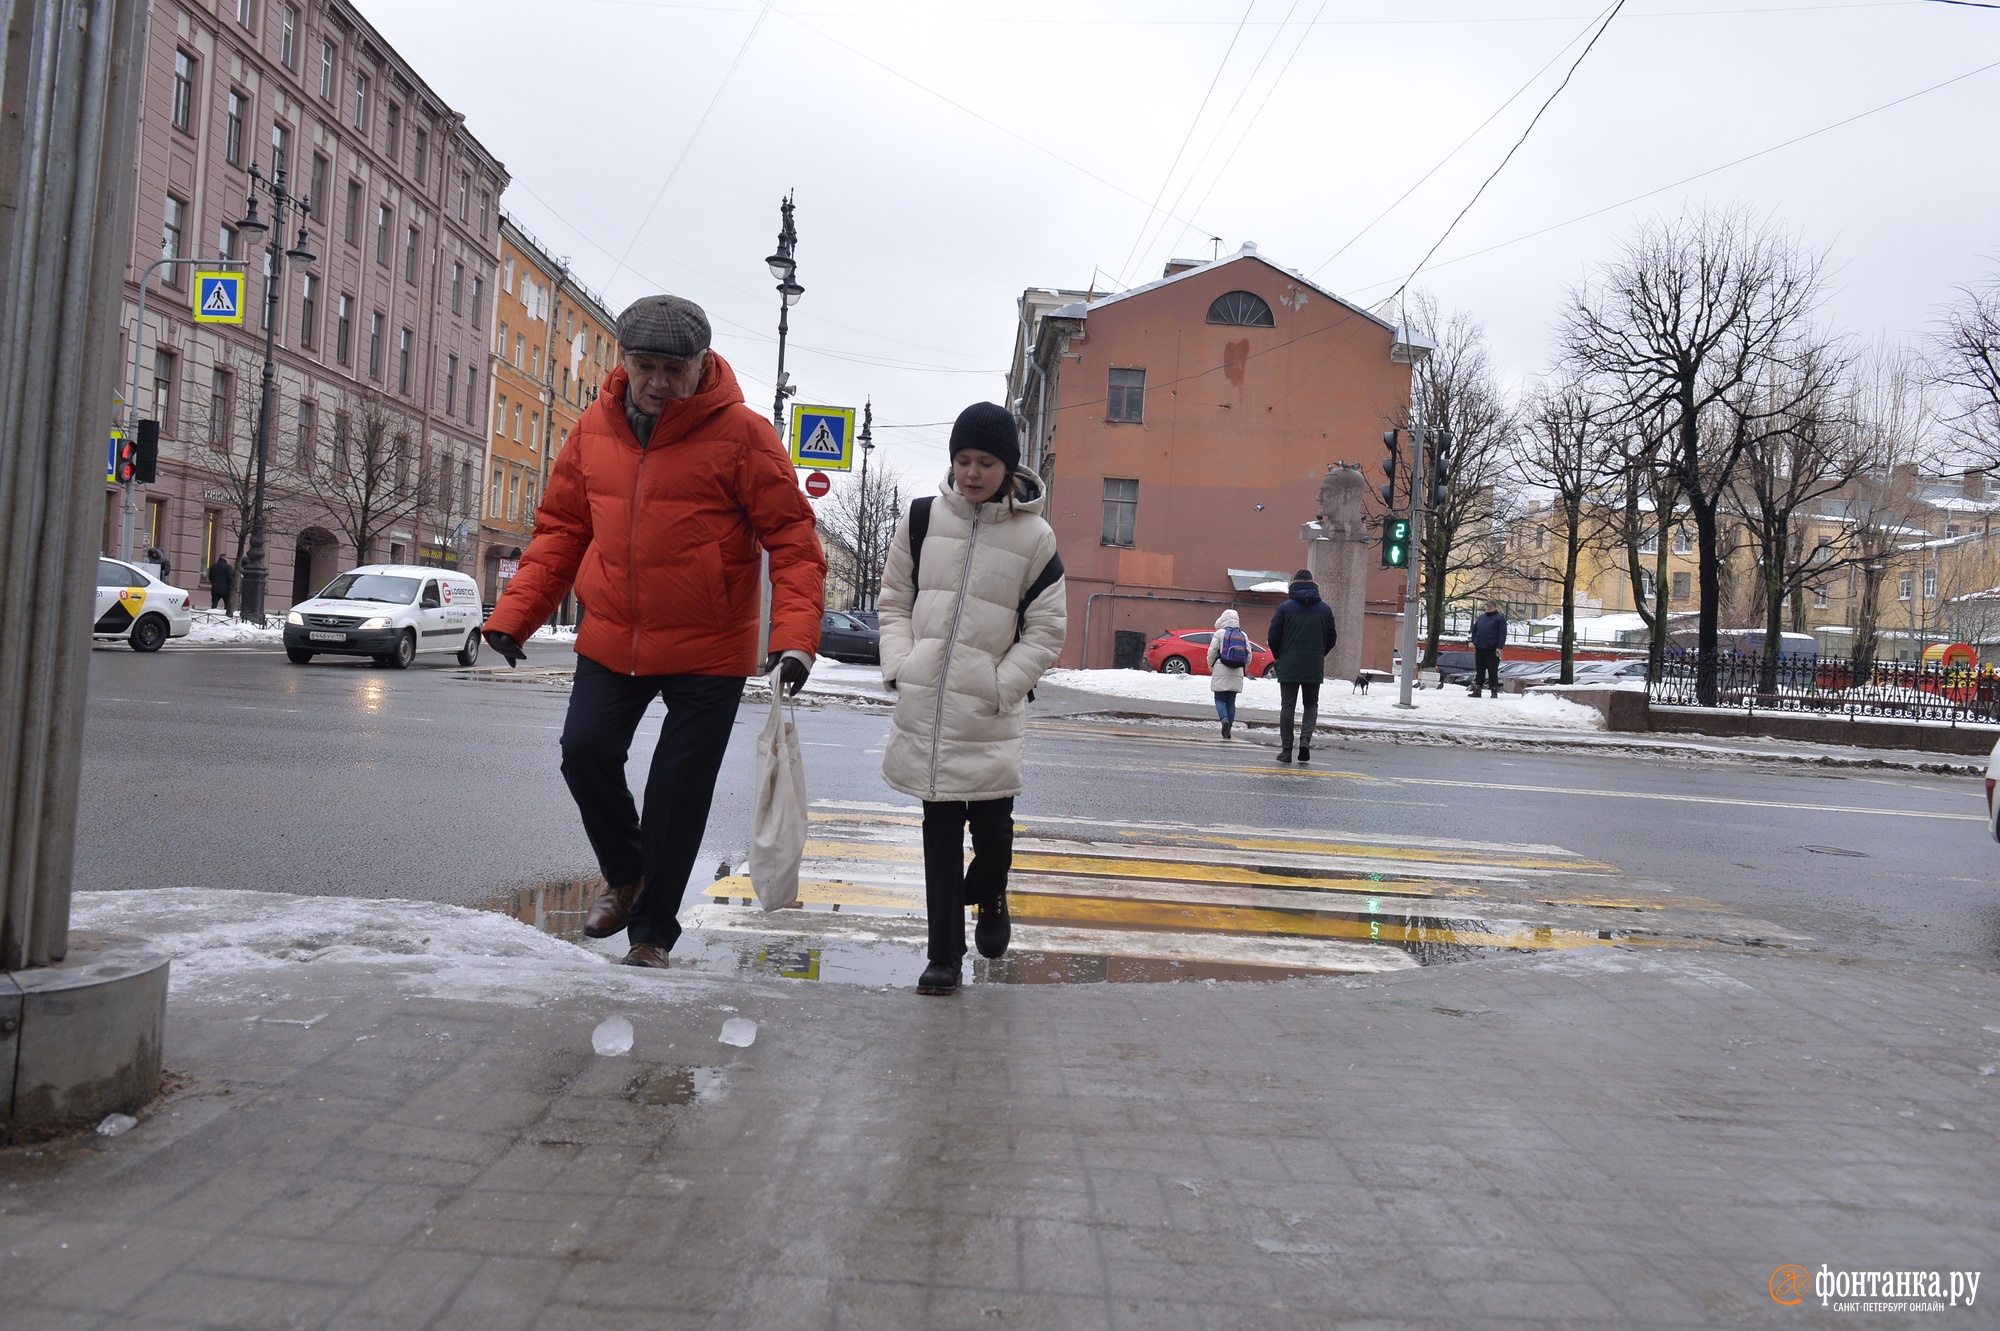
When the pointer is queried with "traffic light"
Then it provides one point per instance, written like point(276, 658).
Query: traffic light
point(148, 459)
point(1440, 476)
point(1391, 440)
point(1395, 542)
point(128, 461)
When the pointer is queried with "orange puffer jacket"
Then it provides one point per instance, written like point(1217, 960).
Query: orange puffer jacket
point(661, 542)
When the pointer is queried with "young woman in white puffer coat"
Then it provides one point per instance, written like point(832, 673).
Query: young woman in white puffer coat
point(963, 642)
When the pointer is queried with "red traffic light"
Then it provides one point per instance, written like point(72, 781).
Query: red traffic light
point(128, 460)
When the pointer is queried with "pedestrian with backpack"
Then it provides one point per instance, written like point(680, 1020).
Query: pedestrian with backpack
point(1228, 657)
point(973, 610)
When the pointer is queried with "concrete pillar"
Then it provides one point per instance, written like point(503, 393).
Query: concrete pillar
point(69, 90)
point(1337, 554)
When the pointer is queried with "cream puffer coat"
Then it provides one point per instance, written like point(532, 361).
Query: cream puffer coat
point(1223, 678)
point(949, 650)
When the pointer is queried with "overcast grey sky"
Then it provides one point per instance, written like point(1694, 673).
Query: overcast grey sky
point(948, 154)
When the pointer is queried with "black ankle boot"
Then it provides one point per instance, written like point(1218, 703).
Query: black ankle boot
point(1284, 755)
point(1225, 730)
point(994, 930)
point(1305, 754)
point(938, 979)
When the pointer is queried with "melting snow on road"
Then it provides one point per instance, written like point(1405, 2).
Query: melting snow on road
point(1338, 700)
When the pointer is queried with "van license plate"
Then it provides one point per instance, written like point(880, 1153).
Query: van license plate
point(327, 637)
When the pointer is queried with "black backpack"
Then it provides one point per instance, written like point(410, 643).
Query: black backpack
point(920, 526)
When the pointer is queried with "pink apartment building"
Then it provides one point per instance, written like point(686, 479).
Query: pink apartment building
point(382, 365)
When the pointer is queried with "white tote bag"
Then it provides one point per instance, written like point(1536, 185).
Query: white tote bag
point(778, 828)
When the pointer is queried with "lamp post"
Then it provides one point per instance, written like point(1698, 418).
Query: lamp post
point(250, 591)
point(784, 267)
point(864, 572)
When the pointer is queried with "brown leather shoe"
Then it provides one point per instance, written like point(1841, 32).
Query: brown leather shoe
point(645, 954)
point(611, 909)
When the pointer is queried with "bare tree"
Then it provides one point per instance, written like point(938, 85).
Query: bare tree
point(1562, 449)
point(1648, 499)
point(1967, 366)
point(1796, 449)
point(1890, 414)
point(1455, 390)
point(1690, 314)
point(863, 518)
point(370, 481)
point(221, 441)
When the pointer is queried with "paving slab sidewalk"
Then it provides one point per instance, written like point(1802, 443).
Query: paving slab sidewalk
point(1603, 1137)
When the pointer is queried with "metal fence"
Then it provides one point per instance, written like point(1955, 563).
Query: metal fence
point(1904, 690)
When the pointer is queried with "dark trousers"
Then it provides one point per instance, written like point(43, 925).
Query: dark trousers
point(218, 598)
point(950, 885)
point(1288, 696)
point(604, 711)
point(1485, 669)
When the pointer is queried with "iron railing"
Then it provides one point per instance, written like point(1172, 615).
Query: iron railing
point(1915, 691)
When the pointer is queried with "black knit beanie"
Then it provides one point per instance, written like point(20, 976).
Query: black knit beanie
point(1303, 575)
point(988, 427)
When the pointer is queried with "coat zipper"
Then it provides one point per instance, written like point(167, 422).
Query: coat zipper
point(951, 642)
point(632, 553)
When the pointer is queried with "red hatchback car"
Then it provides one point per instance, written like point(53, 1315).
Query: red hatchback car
point(1185, 652)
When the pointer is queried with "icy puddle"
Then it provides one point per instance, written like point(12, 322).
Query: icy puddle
point(1100, 902)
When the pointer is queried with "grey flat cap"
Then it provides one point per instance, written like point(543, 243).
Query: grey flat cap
point(664, 326)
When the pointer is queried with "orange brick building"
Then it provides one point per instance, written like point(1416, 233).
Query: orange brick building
point(1183, 428)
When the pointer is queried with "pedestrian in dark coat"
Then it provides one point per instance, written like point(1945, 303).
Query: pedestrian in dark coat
point(1302, 633)
point(155, 555)
point(1489, 635)
point(221, 582)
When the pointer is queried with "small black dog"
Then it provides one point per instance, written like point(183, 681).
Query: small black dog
point(1361, 682)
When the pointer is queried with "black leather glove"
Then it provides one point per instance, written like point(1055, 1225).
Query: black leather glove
point(512, 652)
point(794, 676)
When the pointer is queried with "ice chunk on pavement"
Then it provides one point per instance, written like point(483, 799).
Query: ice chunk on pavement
point(612, 1038)
point(114, 1124)
point(739, 1031)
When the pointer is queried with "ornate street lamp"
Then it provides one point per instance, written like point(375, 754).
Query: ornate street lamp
point(251, 579)
point(785, 268)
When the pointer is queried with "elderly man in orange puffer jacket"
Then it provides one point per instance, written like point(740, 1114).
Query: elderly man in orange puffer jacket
point(655, 513)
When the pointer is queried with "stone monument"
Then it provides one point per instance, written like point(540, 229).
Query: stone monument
point(1337, 554)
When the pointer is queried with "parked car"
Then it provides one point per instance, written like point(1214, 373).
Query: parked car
point(1610, 672)
point(134, 605)
point(1456, 667)
point(1993, 800)
point(391, 612)
point(869, 617)
point(845, 638)
point(1185, 652)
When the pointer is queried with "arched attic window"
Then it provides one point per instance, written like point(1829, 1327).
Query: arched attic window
point(1245, 309)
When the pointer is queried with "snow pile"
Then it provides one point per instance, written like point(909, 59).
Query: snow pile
point(838, 679)
point(565, 633)
point(220, 938)
point(1339, 701)
point(212, 628)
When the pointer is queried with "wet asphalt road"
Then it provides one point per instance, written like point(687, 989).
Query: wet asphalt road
point(232, 768)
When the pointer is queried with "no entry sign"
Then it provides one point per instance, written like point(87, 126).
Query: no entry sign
point(817, 484)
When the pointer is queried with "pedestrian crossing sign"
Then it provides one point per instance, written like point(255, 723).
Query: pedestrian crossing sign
point(218, 298)
point(823, 438)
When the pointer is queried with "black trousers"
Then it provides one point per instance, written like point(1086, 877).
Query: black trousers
point(216, 598)
point(660, 846)
point(1486, 669)
point(1288, 696)
point(950, 885)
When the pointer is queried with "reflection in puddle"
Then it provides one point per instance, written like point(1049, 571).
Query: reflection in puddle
point(673, 1086)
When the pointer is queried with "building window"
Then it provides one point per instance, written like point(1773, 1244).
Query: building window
point(528, 502)
point(221, 397)
point(163, 390)
point(317, 186)
point(232, 137)
point(1683, 541)
point(340, 432)
point(225, 242)
point(538, 362)
point(1683, 586)
point(1121, 511)
point(1125, 400)
point(243, 14)
point(507, 274)
point(471, 395)
point(464, 195)
point(171, 223)
point(281, 148)
point(307, 447)
point(465, 487)
point(517, 422)
point(343, 334)
point(503, 413)
point(1930, 584)
point(211, 538)
point(1244, 309)
point(1647, 584)
point(450, 384)
point(403, 342)
point(361, 102)
point(375, 345)
point(328, 55)
point(503, 339)
point(1819, 598)
point(184, 65)
point(421, 141)
point(350, 226)
point(457, 288)
point(392, 128)
point(288, 35)
point(382, 234)
point(520, 344)
point(485, 209)
point(478, 298)
point(1904, 583)
point(411, 240)
point(309, 313)
point(534, 428)
point(156, 524)
point(513, 495)
point(493, 496)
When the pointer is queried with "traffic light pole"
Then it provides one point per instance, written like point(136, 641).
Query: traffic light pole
point(1420, 488)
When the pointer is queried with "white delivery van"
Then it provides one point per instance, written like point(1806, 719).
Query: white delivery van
point(390, 612)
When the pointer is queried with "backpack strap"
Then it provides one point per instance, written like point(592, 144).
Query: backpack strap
point(920, 526)
point(1050, 575)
